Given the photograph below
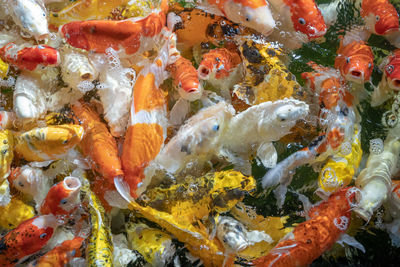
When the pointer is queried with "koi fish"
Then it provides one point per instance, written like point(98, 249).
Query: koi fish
point(130, 35)
point(47, 143)
point(326, 224)
point(305, 17)
point(380, 16)
point(147, 126)
point(337, 117)
point(6, 153)
point(390, 82)
point(84, 10)
point(221, 68)
point(61, 254)
point(28, 238)
point(99, 250)
point(3, 69)
point(97, 142)
point(255, 14)
point(355, 61)
point(30, 58)
point(31, 16)
point(62, 198)
point(14, 213)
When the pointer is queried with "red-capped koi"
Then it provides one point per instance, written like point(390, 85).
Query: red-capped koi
point(255, 14)
point(355, 61)
point(380, 16)
point(327, 223)
point(305, 16)
point(392, 70)
point(61, 254)
point(147, 127)
point(28, 238)
point(218, 63)
point(29, 58)
point(62, 198)
point(126, 35)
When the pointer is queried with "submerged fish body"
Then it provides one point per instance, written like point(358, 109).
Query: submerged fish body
point(28, 238)
point(62, 198)
point(327, 222)
point(30, 58)
point(128, 36)
point(255, 14)
point(31, 16)
point(47, 143)
point(14, 213)
point(355, 61)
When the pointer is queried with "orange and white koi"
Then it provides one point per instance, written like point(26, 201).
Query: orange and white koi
point(31, 16)
point(390, 82)
point(147, 127)
point(221, 67)
point(7, 119)
point(130, 36)
point(337, 118)
point(28, 238)
point(255, 14)
point(61, 254)
point(380, 16)
point(305, 17)
point(47, 143)
point(30, 58)
point(355, 60)
point(327, 222)
point(62, 198)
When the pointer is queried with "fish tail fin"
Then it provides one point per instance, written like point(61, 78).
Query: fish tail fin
point(123, 189)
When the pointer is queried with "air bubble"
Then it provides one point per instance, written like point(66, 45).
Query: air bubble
point(376, 146)
point(85, 86)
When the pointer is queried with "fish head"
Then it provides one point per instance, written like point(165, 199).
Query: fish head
point(65, 135)
point(26, 179)
point(357, 68)
point(252, 14)
point(63, 197)
point(190, 89)
point(73, 34)
point(307, 18)
point(392, 72)
point(383, 19)
point(288, 112)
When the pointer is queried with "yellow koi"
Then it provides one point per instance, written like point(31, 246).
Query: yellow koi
point(85, 10)
point(267, 78)
point(340, 169)
point(47, 143)
point(100, 248)
point(3, 69)
point(14, 213)
point(6, 153)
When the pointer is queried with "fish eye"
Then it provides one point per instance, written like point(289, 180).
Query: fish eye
point(42, 235)
point(389, 69)
point(302, 21)
point(65, 141)
point(63, 201)
point(369, 65)
point(215, 127)
point(20, 184)
point(347, 60)
point(44, 14)
point(247, 18)
point(377, 18)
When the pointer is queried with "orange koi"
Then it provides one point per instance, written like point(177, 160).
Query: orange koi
point(61, 254)
point(305, 16)
point(218, 63)
point(328, 221)
point(62, 198)
point(355, 61)
point(29, 58)
point(147, 127)
point(380, 16)
point(255, 14)
point(128, 35)
point(28, 238)
point(392, 70)
point(185, 78)
point(98, 143)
